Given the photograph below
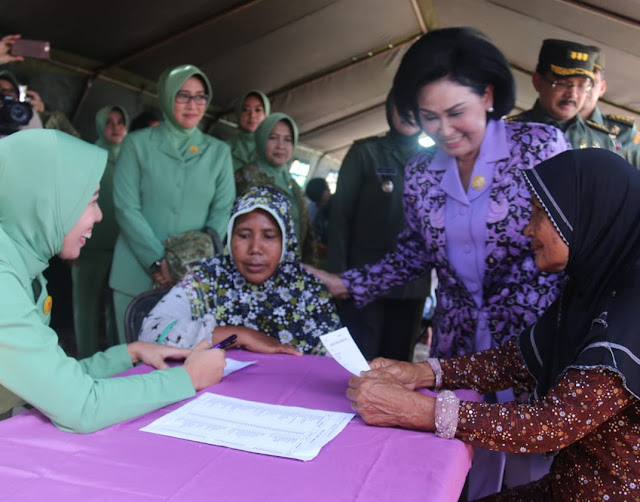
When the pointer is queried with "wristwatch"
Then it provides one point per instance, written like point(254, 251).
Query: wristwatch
point(156, 266)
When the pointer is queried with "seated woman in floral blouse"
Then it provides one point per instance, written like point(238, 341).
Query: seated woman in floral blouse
point(259, 291)
point(581, 359)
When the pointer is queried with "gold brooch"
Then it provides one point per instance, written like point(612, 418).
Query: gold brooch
point(478, 182)
point(48, 303)
point(194, 149)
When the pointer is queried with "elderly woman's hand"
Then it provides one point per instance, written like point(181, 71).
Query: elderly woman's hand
point(332, 282)
point(253, 340)
point(411, 375)
point(382, 400)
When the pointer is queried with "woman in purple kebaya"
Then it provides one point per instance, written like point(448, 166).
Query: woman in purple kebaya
point(466, 202)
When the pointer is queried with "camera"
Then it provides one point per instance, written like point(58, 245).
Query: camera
point(13, 114)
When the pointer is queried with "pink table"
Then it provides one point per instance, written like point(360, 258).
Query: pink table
point(120, 463)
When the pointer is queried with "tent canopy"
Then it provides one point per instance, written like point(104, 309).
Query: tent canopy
point(327, 63)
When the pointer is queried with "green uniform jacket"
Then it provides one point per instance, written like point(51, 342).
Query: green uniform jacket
point(365, 219)
point(34, 218)
point(624, 133)
point(262, 173)
point(105, 233)
point(159, 193)
point(580, 133)
point(242, 146)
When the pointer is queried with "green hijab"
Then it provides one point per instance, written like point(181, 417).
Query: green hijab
point(169, 84)
point(101, 122)
point(266, 104)
point(47, 179)
point(243, 144)
point(280, 174)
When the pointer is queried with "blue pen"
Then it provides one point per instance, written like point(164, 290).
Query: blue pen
point(226, 342)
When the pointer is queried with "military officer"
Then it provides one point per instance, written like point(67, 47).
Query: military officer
point(622, 129)
point(563, 79)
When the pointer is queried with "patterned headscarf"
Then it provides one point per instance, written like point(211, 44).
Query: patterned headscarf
point(291, 305)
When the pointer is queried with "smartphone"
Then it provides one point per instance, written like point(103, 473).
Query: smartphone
point(31, 48)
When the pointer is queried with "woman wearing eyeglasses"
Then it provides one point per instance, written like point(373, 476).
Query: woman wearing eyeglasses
point(169, 179)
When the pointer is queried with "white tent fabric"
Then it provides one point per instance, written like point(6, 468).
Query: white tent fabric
point(327, 63)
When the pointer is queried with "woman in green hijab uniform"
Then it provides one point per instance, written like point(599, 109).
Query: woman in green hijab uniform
point(90, 272)
point(169, 179)
point(251, 109)
point(55, 216)
point(276, 139)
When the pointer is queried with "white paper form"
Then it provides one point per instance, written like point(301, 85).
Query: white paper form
point(269, 429)
point(235, 365)
point(344, 350)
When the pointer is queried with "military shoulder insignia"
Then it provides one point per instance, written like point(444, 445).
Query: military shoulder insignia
point(595, 125)
point(622, 119)
point(513, 118)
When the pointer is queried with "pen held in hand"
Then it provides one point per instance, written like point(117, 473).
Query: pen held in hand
point(226, 342)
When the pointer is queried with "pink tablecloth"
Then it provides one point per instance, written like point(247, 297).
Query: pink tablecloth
point(120, 463)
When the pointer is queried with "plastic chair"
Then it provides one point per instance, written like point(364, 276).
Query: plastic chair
point(138, 309)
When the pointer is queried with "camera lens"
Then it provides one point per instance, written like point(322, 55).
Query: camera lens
point(20, 113)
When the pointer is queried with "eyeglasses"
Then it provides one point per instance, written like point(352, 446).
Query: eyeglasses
point(565, 85)
point(183, 98)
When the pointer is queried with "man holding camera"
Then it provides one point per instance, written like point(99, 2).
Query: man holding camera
point(16, 112)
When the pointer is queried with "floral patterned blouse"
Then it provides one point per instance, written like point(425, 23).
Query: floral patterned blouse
point(514, 291)
point(292, 305)
point(588, 420)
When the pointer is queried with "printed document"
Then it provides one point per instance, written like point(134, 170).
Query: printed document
point(282, 431)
